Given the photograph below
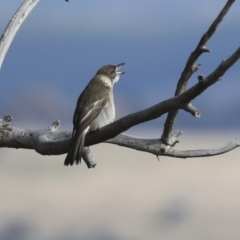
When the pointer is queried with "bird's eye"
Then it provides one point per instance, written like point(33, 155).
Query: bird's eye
point(112, 72)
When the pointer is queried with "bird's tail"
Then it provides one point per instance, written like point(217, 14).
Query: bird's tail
point(75, 153)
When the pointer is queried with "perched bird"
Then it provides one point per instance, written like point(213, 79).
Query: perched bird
point(95, 109)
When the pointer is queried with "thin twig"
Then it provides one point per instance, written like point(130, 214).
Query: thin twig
point(190, 69)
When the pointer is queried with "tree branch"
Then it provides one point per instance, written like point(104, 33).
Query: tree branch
point(13, 26)
point(190, 68)
point(156, 111)
point(49, 141)
point(156, 147)
point(46, 141)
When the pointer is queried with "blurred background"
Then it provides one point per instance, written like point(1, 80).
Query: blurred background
point(129, 195)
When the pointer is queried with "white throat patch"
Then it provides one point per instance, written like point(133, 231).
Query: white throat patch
point(106, 81)
point(116, 78)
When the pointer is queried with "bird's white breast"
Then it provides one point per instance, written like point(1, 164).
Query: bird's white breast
point(106, 116)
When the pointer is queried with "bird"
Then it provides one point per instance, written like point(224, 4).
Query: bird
point(95, 109)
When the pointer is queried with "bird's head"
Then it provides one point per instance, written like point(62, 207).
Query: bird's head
point(111, 71)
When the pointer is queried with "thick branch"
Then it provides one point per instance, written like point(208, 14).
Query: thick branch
point(49, 141)
point(190, 68)
point(46, 141)
point(13, 26)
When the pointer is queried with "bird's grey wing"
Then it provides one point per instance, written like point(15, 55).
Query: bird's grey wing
point(82, 118)
point(89, 105)
point(86, 113)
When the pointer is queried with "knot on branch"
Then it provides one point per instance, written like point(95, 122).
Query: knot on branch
point(170, 142)
point(46, 139)
point(201, 79)
point(5, 122)
point(205, 49)
point(195, 67)
point(164, 148)
point(54, 126)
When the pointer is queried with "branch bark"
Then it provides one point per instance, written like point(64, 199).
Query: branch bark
point(13, 26)
point(190, 68)
point(49, 141)
point(156, 147)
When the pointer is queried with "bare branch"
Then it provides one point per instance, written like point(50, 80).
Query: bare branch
point(154, 146)
point(214, 77)
point(49, 141)
point(46, 141)
point(191, 109)
point(195, 67)
point(13, 137)
point(13, 26)
point(205, 152)
point(156, 111)
point(190, 69)
point(201, 46)
point(88, 157)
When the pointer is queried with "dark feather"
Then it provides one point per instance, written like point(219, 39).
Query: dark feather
point(89, 105)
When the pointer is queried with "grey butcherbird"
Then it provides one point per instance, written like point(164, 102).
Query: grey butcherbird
point(95, 109)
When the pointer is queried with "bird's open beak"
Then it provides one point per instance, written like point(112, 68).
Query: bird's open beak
point(118, 67)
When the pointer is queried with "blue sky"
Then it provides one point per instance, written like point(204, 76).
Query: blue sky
point(61, 45)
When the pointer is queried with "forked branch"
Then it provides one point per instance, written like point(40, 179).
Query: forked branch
point(156, 111)
point(50, 141)
point(190, 68)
